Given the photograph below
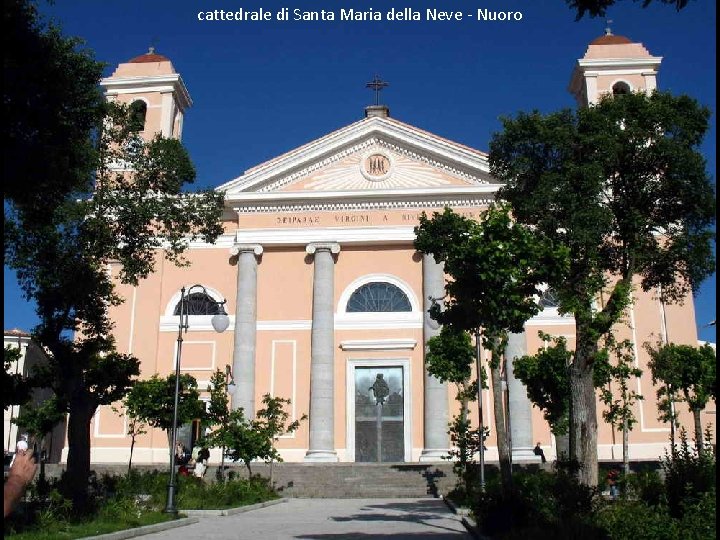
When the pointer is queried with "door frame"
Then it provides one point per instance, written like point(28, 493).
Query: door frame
point(353, 363)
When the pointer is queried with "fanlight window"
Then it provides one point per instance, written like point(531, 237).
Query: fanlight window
point(549, 299)
point(199, 303)
point(378, 297)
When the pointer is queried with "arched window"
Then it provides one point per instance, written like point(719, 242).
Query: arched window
point(620, 88)
point(199, 303)
point(138, 111)
point(378, 297)
point(549, 299)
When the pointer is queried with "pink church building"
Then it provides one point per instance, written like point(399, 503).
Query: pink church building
point(326, 294)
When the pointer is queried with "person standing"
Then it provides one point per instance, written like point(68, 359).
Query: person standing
point(612, 479)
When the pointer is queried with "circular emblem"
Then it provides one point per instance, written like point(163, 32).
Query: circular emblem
point(376, 166)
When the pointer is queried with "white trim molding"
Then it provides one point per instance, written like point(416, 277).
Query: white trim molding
point(341, 235)
point(377, 344)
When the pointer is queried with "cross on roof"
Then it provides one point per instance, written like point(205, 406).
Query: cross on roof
point(608, 30)
point(377, 84)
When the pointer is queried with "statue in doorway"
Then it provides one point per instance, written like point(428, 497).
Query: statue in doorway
point(381, 389)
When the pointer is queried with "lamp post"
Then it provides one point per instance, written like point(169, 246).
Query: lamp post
point(220, 322)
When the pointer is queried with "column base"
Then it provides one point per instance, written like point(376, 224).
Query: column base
point(434, 455)
point(321, 456)
point(525, 455)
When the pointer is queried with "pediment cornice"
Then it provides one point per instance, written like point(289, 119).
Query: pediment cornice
point(460, 161)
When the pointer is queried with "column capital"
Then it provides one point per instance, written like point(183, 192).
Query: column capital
point(237, 249)
point(332, 247)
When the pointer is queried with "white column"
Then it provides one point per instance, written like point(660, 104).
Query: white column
point(435, 403)
point(519, 404)
point(243, 395)
point(322, 354)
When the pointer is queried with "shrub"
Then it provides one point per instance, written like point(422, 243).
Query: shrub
point(635, 520)
point(542, 505)
point(646, 486)
point(689, 474)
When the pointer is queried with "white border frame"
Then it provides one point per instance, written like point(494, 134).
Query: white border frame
point(213, 347)
point(351, 364)
point(293, 397)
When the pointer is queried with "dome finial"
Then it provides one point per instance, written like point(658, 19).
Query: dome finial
point(608, 30)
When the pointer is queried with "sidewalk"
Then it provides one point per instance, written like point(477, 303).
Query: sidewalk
point(331, 519)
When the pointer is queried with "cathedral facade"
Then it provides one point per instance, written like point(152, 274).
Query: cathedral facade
point(328, 298)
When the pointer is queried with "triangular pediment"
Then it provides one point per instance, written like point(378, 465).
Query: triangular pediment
point(373, 154)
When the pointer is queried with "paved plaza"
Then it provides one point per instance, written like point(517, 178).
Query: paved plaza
point(330, 519)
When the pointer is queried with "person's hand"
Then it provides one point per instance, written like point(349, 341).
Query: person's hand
point(24, 467)
point(20, 475)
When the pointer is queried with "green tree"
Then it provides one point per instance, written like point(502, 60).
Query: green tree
point(450, 356)
point(272, 422)
point(152, 401)
point(496, 267)
point(248, 440)
point(688, 370)
point(623, 186)
point(51, 107)
point(218, 411)
point(86, 194)
point(135, 426)
point(620, 402)
point(546, 377)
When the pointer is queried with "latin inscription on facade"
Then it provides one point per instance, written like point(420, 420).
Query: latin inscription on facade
point(358, 218)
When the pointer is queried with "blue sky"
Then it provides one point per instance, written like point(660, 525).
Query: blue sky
point(263, 88)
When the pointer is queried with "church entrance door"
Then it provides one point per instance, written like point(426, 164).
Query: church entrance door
point(379, 423)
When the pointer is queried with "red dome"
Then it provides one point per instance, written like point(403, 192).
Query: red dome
point(149, 56)
point(610, 39)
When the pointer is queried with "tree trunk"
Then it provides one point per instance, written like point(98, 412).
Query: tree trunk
point(75, 482)
point(463, 440)
point(501, 428)
point(132, 446)
point(698, 430)
point(626, 446)
point(562, 446)
point(584, 408)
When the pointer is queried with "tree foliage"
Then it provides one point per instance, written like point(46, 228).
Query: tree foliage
point(598, 8)
point(51, 107)
point(620, 401)
point(623, 187)
point(153, 401)
point(249, 440)
point(450, 356)
point(689, 371)
point(88, 203)
point(546, 377)
point(496, 267)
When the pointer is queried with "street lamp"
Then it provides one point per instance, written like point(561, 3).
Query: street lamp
point(220, 322)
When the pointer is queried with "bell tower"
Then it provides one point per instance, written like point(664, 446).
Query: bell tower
point(613, 65)
point(154, 91)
